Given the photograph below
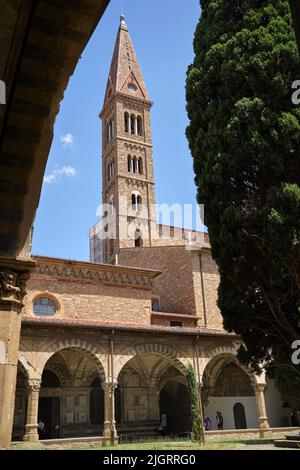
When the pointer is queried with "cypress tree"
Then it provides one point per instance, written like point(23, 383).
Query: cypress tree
point(244, 135)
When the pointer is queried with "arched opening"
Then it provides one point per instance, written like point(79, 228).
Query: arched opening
point(134, 202)
point(134, 165)
point(175, 408)
point(239, 416)
point(146, 385)
point(133, 124)
point(21, 399)
point(129, 163)
point(225, 384)
point(126, 122)
point(138, 239)
point(139, 202)
point(96, 403)
point(139, 126)
point(71, 402)
point(140, 166)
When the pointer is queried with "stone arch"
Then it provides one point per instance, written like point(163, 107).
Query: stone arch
point(218, 359)
point(22, 365)
point(31, 372)
point(87, 347)
point(155, 348)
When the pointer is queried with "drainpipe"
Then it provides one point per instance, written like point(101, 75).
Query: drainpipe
point(202, 289)
point(203, 437)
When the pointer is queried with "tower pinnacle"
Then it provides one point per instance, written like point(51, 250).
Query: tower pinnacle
point(123, 24)
point(125, 74)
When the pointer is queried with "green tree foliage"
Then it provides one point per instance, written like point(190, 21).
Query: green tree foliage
point(192, 386)
point(244, 135)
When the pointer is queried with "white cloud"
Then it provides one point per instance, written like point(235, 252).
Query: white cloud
point(68, 141)
point(59, 173)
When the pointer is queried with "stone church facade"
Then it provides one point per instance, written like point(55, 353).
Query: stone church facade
point(105, 344)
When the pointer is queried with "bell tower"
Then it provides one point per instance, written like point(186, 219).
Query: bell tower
point(127, 167)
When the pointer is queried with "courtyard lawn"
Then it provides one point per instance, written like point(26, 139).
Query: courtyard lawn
point(158, 445)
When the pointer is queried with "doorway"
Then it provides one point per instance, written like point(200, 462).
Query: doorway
point(239, 416)
point(49, 413)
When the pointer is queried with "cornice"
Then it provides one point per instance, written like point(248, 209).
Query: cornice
point(83, 271)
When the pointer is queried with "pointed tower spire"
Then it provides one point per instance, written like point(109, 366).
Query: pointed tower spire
point(125, 74)
point(127, 160)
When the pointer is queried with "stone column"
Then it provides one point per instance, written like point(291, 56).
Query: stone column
point(109, 431)
point(264, 427)
point(13, 278)
point(31, 428)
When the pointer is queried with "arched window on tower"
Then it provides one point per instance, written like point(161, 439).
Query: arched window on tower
point(139, 202)
point(126, 122)
point(140, 166)
point(129, 162)
point(134, 202)
point(133, 124)
point(134, 167)
point(108, 172)
point(138, 239)
point(139, 125)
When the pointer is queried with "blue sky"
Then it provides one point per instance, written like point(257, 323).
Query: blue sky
point(162, 33)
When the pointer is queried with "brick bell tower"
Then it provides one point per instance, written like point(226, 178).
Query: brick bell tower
point(128, 174)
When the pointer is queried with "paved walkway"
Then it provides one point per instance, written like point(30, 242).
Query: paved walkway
point(259, 447)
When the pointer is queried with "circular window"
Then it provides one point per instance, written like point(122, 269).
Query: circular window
point(44, 307)
point(132, 87)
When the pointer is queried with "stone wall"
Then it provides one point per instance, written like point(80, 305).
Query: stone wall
point(85, 292)
point(174, 289)
point(180, 288)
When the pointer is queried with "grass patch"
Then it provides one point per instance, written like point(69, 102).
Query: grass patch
point(148, 445)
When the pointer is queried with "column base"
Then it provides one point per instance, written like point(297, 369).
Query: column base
point(264, 427)
point(106, 433)
point(108, 439)
point(31, 434)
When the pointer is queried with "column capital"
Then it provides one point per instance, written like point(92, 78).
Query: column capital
point(34, 385)
point(109, 386)
point(259, 387)
point(14, 275)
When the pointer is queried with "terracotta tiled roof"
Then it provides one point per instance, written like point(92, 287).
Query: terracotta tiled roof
point(54, 322)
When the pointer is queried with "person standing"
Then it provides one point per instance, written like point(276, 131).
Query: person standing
point(220, 421)
point(41, 429)
point(207, 422)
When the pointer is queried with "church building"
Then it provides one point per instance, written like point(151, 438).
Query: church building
point(105, 344)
